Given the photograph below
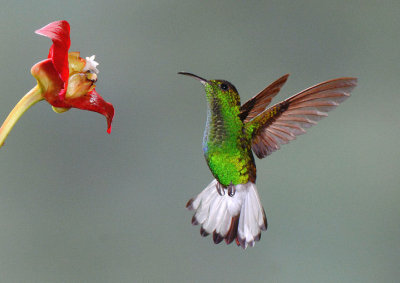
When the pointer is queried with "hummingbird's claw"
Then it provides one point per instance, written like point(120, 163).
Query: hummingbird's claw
point(220, 189)
point(231, 190)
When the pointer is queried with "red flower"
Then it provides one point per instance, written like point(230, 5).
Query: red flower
point(65, 80)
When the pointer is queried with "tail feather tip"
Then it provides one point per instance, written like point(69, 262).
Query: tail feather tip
point(189, 204)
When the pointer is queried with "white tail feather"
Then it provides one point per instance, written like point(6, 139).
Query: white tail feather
point(240, 217)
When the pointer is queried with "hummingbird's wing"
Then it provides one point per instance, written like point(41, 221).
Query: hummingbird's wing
point(282, 122)
point(258, 103)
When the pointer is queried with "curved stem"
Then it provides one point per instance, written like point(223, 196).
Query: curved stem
point(33, 96)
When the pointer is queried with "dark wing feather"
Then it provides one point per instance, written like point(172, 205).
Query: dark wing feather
point(258, 103)
point(284, 121)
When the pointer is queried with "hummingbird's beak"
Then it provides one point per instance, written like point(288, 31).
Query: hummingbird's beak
point(203, 81)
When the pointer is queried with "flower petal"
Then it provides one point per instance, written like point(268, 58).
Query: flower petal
point(49, 80)
point(92, 101)
point(58, 32)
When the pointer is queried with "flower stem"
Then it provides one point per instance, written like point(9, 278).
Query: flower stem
point(33, 96)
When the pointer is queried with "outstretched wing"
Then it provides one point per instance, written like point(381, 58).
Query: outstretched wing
point(282, 122)
point(258, 103)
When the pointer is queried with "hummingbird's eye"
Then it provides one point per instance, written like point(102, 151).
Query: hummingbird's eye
point(224, 86)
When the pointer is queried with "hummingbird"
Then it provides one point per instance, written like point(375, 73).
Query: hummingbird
point(229, 208)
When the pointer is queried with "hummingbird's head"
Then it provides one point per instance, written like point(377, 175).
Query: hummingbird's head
point(218, 90)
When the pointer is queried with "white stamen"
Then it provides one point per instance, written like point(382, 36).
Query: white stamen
point(91, 64)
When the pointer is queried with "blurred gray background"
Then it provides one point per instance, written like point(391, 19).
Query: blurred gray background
point(78, 205)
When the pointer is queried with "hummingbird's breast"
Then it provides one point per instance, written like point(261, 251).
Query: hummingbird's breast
point(226, 149)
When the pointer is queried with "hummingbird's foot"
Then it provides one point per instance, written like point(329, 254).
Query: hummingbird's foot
point(231, 190)
point(220, 189)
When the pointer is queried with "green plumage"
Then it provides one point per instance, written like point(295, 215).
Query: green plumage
point(226, 144)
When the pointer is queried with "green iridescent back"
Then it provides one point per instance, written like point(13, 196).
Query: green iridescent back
point(226, 147)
